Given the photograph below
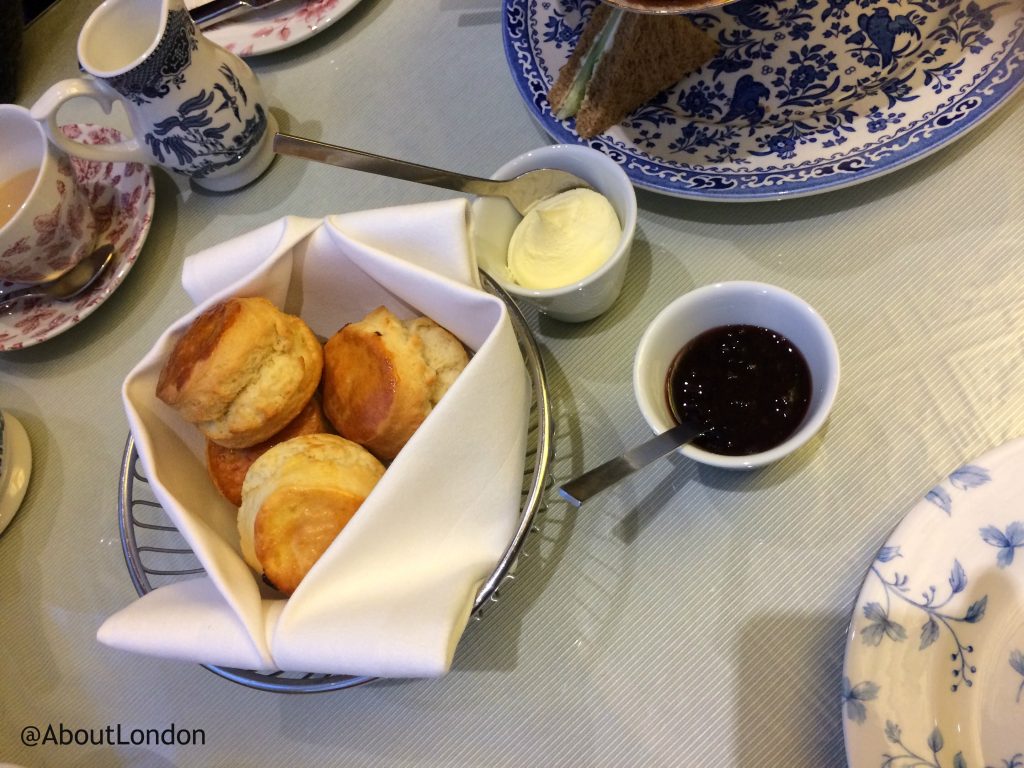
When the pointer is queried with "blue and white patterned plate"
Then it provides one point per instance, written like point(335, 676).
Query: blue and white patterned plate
point(804, 95)
point(934, 672)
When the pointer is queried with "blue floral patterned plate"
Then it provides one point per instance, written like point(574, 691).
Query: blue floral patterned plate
point(804, 95)
point(934, 672)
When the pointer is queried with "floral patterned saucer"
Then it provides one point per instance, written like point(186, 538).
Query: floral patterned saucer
point(122, 196)
point(275, 28)
point(934, 673)
point(804, 95)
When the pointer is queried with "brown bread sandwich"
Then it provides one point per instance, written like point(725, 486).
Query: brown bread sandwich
point(622, 61)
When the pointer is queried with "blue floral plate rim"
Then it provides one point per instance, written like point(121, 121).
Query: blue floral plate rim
point(934, 676)
point(803, 134)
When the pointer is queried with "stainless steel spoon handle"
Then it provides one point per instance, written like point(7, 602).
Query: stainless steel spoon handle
point(285, 144)
point(215, 11)
point(72, 283)
point(522, 191)
point(596, 480)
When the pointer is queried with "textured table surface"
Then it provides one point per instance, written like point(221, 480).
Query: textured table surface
point(686, 617)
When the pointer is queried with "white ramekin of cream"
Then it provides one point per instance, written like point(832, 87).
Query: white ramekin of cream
point(568, 256)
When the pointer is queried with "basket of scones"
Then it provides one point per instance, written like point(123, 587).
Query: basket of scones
point(338, 431)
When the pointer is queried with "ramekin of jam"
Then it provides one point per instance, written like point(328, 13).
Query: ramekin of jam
point(753, 365)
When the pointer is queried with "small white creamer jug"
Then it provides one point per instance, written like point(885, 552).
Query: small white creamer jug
point(194, 107)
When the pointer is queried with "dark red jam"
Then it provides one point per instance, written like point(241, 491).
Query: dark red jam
point(749, 386)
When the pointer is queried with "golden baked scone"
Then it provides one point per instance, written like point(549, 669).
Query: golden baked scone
point(242, 371)
point(382, 377)
point(296, 498)
point(227, 466)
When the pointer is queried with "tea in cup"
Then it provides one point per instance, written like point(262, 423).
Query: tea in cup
point(46, 223)
point(194, 107)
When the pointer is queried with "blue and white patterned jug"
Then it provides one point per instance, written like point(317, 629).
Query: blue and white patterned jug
point(194, 108)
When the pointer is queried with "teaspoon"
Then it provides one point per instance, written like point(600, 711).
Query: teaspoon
point(522, 191)
point(597, 479)
point(72, 283)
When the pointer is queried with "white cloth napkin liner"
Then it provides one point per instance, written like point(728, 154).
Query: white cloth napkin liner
point(392, 594)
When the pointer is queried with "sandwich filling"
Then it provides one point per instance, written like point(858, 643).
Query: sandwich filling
point(577, 90)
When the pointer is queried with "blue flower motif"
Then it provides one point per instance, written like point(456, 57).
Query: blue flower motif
point(803, 76)
point(969, 476)
point(935, 743)
point(876, 122)
point(1006, 542)
point(783, 146)
point(981, 17)
point(885, 554)
point(835, 8)
point(940, 497)
point(854, 697)
point(701, 100)
point(936, 619)
point(801, 31)
point(881, 626)
point(898, 90)
point(964, 478)
point(561, 33)
point(1017, 662)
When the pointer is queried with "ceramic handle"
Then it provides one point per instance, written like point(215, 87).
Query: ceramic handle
point(46, 108)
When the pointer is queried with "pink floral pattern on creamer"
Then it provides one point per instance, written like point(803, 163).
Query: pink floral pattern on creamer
point(60, 238)
point(121, 197)
point(254, 33)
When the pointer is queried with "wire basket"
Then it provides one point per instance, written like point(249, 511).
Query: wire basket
point(157, 554)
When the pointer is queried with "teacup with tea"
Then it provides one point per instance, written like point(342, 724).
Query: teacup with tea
point(46, 223)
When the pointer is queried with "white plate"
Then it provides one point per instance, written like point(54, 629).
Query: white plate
point(273, 29)
point(934, 672)
point(15, 467)
point(122, 196)
point(804, 95)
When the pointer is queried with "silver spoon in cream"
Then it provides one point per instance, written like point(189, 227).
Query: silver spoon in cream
point(522, 191)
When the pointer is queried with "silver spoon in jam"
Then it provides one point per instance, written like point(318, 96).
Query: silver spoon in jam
point(734, 389)
point(597, 479)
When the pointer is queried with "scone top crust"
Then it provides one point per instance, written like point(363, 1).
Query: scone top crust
point(242, 371)
point(228, 466)
point(296, 498)
point(382, 377)
point(190, 360)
